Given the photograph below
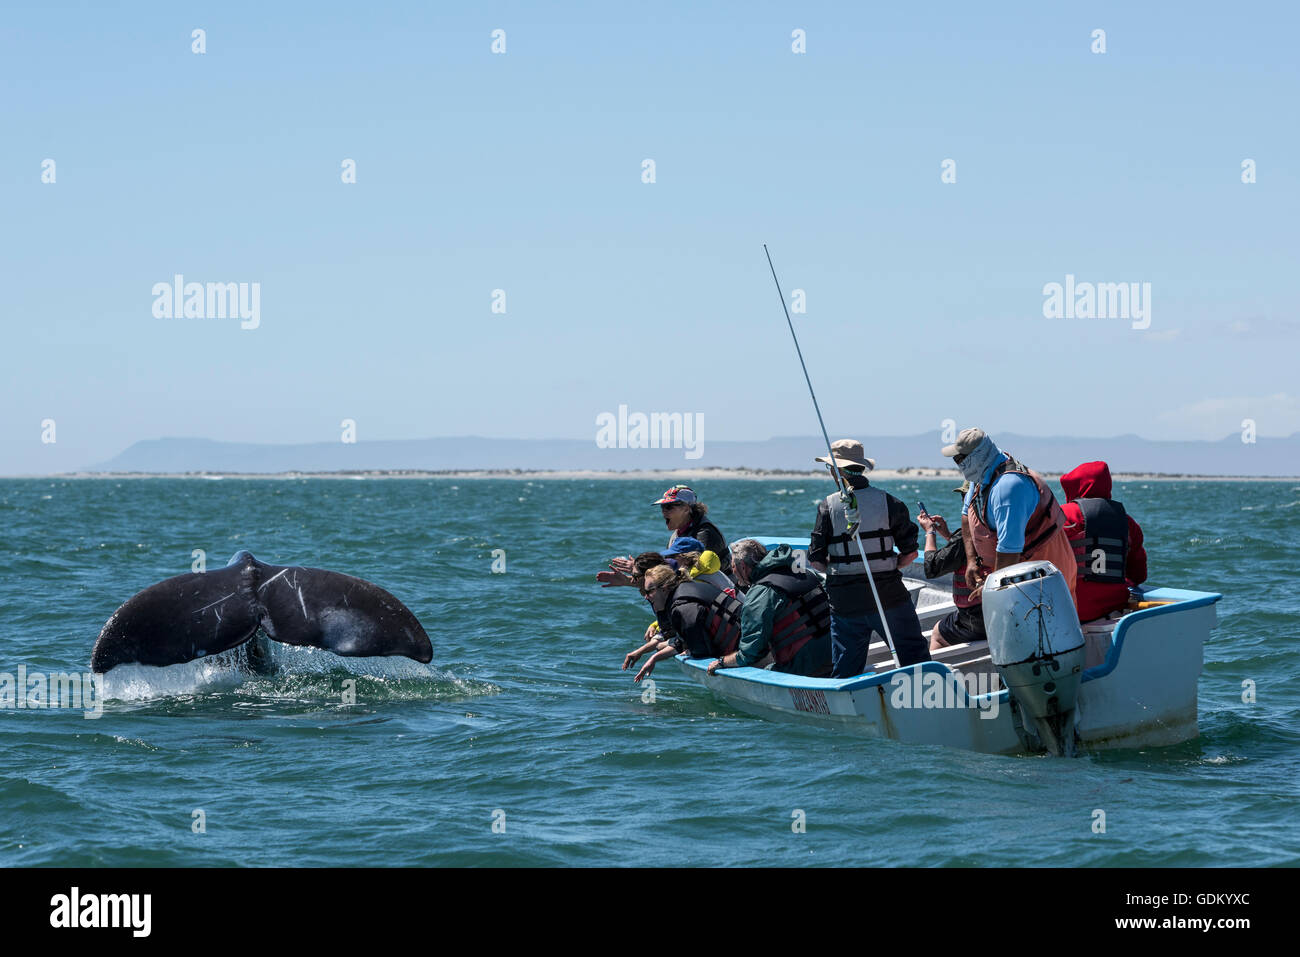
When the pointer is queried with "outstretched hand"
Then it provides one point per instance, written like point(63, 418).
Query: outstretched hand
point(610, 579)
point(631, 658)
point(646, 668)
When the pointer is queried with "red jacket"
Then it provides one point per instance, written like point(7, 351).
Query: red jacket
point(1098, 599)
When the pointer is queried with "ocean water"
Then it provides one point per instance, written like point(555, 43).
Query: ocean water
point(525, 720)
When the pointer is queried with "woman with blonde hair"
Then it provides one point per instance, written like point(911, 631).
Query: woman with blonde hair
point(695, 617)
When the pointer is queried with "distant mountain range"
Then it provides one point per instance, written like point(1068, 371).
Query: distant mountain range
point(1125, 453)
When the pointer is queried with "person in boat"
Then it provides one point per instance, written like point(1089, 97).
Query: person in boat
point(702, 563)
point(694, 617)
point(882, 522)
point(1009, 515)
point(1107, 542)
point(785, 613)
point(686, 517)
point(966, 624)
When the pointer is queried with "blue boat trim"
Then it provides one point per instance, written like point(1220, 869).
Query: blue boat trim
point(1182, 600)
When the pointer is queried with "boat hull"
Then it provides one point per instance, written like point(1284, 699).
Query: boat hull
point(1141, 692)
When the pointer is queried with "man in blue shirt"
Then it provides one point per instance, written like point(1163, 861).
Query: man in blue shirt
point(1009, 515)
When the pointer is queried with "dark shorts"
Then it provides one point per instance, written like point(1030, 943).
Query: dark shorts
point(963, 625)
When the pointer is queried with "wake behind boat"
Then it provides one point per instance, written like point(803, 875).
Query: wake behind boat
point(1129, 681)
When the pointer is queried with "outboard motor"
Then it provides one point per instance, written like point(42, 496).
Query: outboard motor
point(1037, 645)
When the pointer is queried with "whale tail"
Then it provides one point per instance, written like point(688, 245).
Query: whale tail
point(200, 614)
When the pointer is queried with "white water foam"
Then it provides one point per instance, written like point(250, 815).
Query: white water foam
point(229, 670)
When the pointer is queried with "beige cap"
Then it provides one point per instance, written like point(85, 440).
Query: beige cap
point(848, 454)
point(967, 441)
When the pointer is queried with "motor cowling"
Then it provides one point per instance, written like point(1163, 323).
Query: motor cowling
point(1038, 647)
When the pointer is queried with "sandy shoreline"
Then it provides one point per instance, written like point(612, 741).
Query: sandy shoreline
point(666, 475)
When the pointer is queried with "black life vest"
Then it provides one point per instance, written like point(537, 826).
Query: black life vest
point(724, 556)
point(807, 617)
point(717, 631)
point(1102, 553)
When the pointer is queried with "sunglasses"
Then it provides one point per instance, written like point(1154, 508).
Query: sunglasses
point(958, 459)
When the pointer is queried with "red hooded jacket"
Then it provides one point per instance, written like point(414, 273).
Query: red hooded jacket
point(1098, 599)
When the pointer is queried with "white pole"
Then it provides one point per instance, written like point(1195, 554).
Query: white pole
point(850, 500)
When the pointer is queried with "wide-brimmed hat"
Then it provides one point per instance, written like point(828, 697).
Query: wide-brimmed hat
point(848, 454)
point(967, 442)
point(678, 495)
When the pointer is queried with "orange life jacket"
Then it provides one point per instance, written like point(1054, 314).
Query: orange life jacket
point(1045, 538)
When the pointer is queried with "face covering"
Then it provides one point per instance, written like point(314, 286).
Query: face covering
point(974, 465)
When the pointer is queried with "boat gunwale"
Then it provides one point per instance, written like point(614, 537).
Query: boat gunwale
point(1177, 599)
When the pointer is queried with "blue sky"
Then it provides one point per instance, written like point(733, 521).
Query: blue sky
point(522, 172)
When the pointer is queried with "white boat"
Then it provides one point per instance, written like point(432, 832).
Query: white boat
point(1126, 682)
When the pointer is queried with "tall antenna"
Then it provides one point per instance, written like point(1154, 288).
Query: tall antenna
point(850, 500)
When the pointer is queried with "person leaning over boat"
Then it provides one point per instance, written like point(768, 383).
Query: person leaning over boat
point(700, 564)
point(1010, 514)
point(966, 624)
point(685, 517)
point(694, 617)
point(883, 523)
point(785, 613)
point(1107, 542)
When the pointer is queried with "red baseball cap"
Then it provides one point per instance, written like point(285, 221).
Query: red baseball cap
point(678, 495)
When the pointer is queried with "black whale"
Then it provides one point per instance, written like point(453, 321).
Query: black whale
point(200, 614)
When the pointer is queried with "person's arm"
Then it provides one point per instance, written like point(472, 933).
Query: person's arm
point(654, 659)
point(950, 558)
point(620, 573)
point(817, 541)
point(632, 657)
point(931, 542)
point(1135, 566)
point(904, 531)
point(974, 571)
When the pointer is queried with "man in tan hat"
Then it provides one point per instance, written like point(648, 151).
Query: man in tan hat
point(883, 524)
point(1010, 514)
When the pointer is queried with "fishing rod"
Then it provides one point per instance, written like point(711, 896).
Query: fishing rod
point(846, 490)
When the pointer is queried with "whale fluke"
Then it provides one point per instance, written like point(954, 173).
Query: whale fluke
point(200, 614)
